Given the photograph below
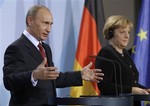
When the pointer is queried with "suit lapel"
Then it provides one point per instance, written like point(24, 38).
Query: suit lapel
point(48, 54)
point(32, 49)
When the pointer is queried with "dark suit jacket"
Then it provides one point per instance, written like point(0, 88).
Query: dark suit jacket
point(20, 59)
point(128, 72)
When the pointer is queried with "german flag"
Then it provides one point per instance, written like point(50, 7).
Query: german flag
point(89, 44)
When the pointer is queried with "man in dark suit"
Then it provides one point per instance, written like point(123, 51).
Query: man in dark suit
point(31, 77)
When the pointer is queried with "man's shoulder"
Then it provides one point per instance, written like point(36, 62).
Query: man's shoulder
point(18, 42)
point(21, 40)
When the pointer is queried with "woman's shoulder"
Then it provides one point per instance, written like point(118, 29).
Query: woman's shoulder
point(106, 51)
point(107, 48)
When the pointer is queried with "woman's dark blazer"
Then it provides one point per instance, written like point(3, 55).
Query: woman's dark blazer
point(119, 70)
point(20, 59)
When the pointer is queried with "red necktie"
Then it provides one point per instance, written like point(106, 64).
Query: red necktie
point(42, 51)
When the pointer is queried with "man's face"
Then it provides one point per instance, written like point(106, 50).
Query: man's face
point(41, 24)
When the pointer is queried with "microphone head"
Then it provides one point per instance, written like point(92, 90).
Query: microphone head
point(93, 56)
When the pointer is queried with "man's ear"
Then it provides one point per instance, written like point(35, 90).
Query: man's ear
point(30, 21)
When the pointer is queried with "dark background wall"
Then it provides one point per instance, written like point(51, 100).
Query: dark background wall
point(128, 8)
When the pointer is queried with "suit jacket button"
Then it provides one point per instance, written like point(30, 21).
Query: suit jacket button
point(130, 66)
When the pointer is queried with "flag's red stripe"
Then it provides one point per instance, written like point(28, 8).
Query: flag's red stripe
point(88, 43)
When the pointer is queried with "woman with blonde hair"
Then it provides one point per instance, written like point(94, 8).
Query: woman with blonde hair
point(121, 74)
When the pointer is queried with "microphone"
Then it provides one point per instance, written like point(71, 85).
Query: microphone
point(115, 72)
point(120, 74)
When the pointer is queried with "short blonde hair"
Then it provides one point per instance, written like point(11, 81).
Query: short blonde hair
point(115, 22)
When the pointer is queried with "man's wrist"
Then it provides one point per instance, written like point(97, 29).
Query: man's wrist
point(34, 75)
point(33, 80)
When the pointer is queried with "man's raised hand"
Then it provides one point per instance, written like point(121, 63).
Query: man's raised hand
point(91, 74)
point(45, 73)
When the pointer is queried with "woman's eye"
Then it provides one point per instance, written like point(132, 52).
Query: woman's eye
point(122, 32)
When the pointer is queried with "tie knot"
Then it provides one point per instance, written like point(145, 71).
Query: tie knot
point(40, 45)
point(41, 49)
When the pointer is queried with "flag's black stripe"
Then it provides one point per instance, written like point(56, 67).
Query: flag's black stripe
point(95, 7)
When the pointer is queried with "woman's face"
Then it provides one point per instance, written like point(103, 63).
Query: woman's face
point(121, 37)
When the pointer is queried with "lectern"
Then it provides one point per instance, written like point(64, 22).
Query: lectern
point(92, 101)
point(138, 97)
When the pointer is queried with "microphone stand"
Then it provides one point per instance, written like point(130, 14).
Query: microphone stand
point(121, 91)
point(105, 59)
